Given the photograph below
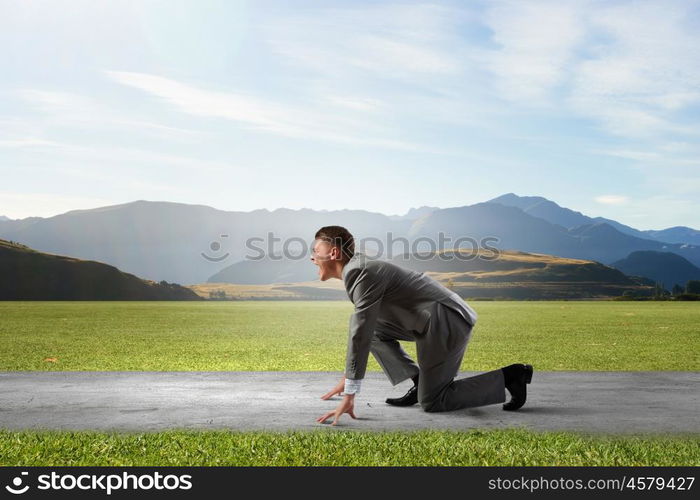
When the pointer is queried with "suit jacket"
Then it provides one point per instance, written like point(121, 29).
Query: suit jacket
point(386, 294)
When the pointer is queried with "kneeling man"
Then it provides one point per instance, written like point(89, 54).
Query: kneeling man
point(392, 304)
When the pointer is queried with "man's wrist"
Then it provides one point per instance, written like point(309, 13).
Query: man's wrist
point(352, 386)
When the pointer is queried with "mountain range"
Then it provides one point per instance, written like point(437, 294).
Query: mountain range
point(193, 243)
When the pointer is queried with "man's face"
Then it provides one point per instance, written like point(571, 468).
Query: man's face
point(324, 255)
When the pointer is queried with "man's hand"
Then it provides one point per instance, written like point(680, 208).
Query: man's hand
point(347, 405)
point(338, 389)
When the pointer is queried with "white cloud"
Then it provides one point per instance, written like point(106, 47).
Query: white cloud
point(536, 42)
point(612, 199)
point(27, 142)
point(630, 154)
point(54, 100)
point(389, 57)
point(628, 66)
point(646, 70)
point(389, 41)
point(355, 102)
point(196, 101)
point(102, 155)
point(665, 158)
point(261, 114)
point(71, 109)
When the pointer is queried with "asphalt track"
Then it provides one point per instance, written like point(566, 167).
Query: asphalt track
point(599, 402)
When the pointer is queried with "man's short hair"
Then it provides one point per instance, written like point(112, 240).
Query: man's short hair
point(339, 237)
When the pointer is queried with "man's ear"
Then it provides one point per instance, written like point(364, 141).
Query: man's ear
point(335, 253)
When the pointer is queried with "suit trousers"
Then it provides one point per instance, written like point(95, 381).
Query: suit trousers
point(440, 348)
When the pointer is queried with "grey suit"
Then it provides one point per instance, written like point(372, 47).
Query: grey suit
point(392, 304)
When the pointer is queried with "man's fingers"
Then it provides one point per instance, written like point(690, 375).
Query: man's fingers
point(331, 394)
point(323, 418)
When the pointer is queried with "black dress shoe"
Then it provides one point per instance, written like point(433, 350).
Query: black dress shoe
point(517, 377)
point(408, 399)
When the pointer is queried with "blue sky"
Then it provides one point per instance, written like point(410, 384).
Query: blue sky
point(365, 105)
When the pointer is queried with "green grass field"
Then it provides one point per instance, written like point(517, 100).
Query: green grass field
point(311, 336)
point(211, 336)
point(332, 448)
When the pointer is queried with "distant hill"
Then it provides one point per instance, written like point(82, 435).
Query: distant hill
point(309, 290)
point(26, 274)
point(543, 208)
point(521, 275)
point(266, 271)
point(513, 266)
point(3, 217)
point(677, 234)
point(518, 275)
point(664, 267)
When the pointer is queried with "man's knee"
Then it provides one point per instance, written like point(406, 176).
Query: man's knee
point(430, 405)
point(376, 344)
point(435, 400)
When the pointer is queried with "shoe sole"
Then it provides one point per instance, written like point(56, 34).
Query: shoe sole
point(400, 403)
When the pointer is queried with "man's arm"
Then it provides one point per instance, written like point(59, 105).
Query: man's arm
point(366, 292)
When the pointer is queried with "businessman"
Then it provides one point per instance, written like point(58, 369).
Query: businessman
point(392, 304)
